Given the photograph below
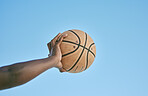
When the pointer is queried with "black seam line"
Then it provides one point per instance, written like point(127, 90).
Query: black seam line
point(75, 69)
point(77, 47)
point(81, 69)
point(80, 54)
point(87, 56)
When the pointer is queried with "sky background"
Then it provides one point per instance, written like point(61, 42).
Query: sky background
point(118, 27)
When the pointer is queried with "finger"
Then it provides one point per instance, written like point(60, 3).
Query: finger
point(56, 37)
point(62, 70)
point(59, 41)
point(65, 35)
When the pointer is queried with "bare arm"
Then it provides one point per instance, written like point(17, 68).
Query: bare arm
point(20, 73)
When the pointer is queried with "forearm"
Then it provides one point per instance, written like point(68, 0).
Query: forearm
point(21, 73)
point(26, 71)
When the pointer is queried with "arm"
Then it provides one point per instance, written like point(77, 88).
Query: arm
point(20, 73)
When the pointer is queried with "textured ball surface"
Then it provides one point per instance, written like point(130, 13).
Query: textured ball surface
point(78, 51)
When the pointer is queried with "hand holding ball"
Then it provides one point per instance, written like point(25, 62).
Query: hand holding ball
point(77, 49)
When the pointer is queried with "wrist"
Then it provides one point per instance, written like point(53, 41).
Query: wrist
point(53, 60)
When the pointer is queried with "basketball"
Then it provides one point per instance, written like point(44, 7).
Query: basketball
point(78, 51)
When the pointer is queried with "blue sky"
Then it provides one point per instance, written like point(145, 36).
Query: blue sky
point(118, 27)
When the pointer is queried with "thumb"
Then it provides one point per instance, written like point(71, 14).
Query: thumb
point(62, 70)
point(59, 66)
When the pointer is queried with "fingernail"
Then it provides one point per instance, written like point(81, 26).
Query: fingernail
point(65, 35)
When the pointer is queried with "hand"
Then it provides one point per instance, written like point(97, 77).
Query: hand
point(55, 51)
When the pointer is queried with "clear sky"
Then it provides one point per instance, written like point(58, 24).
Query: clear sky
point(118, 27)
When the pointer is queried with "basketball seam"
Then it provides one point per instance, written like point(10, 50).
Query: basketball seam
point(81, 69)
point(75, 69)
point(80, 54)
point(78, 45)
point(87, 56)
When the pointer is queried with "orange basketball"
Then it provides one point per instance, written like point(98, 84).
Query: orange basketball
point(78, 51)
